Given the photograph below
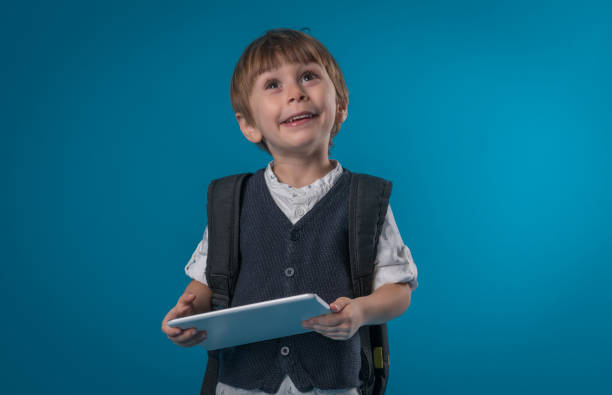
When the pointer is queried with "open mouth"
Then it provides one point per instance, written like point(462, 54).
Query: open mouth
point(299, 119)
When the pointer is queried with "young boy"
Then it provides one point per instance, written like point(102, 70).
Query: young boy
point(289, 97)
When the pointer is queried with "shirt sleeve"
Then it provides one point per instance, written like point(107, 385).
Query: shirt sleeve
point(394, 263)
point(196, 267)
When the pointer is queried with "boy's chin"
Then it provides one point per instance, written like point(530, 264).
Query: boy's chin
point(314, 151)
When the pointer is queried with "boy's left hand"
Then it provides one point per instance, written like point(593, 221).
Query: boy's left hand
point(342, 323)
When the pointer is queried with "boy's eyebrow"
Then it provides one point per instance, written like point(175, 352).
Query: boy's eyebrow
point(269, 71)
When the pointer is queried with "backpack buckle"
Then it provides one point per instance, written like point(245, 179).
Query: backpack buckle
point(219, 301)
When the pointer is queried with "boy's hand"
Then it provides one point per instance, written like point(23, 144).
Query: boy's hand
point(345, 319)
point(187, 337)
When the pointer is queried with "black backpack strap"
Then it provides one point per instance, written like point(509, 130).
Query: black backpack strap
point(379, 344)
point(223, 210)
point(222, 264)
point(368, 202)
point(209, 385)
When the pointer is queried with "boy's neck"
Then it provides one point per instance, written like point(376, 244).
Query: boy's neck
point(299, 172)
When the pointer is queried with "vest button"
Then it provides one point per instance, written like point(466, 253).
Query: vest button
point(289, 271)
point(295, 235)
point(284, 351)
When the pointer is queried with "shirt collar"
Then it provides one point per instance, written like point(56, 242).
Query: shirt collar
point(317, 188)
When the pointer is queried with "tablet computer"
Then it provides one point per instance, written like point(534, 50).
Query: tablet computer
point(254, 322)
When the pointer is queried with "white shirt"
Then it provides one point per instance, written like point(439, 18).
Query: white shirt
point(393, 263)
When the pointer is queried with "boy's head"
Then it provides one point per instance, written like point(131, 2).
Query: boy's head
point(269, 52)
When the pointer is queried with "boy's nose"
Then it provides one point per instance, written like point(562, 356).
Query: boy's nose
point(299, 97)
point(296, 92)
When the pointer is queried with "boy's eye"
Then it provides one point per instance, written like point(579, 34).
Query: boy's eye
point(310, 74)
point(271, 84)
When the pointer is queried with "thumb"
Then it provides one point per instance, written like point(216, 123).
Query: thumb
point(186, 298)
point(339, 304)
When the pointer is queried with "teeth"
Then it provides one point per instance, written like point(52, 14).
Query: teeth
point(293, 119)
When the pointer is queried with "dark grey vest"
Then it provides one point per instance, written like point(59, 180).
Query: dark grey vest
point(279, 259)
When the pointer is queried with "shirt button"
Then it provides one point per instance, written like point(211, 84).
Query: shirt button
point(284, 351)
point(299, 211)
point(295, 235)
point(289, 272)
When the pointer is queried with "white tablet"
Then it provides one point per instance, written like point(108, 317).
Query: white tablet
point(254, 322)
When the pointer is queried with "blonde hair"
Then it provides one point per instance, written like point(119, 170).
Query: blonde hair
point(267, 52)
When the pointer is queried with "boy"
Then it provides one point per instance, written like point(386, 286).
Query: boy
point(289, 97)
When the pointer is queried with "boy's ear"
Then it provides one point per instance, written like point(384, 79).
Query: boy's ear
point(342, 113)
point(250, 132)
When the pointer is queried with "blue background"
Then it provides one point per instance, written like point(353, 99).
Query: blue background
point(491, 118)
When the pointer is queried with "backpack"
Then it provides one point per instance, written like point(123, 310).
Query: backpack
point(368, 201)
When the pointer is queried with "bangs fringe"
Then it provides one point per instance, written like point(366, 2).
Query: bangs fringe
point(269, 55)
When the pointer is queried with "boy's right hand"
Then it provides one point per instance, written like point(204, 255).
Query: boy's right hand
point(183, 337)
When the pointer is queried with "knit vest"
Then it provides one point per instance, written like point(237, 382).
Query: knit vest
point(279, 259)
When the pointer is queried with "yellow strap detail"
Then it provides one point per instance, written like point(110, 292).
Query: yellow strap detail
point(378, 358)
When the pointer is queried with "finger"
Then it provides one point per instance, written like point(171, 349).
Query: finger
point(187, 334)
point(327, 320)
point(176, 312)
point(168, 330)
point(184, 310)
point(327, 329)
point(314, 325)
point(175, 332)
point(193, 339)
point(172, 332)
point(172, 314)
point(320, 318)
point(339, 333)
point(339, 304)
point(335, 334)
point(186, 298)
point(338, 337)
point(332, 331)
point(197, 339)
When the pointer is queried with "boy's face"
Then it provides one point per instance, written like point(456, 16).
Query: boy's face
point(283, 93)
